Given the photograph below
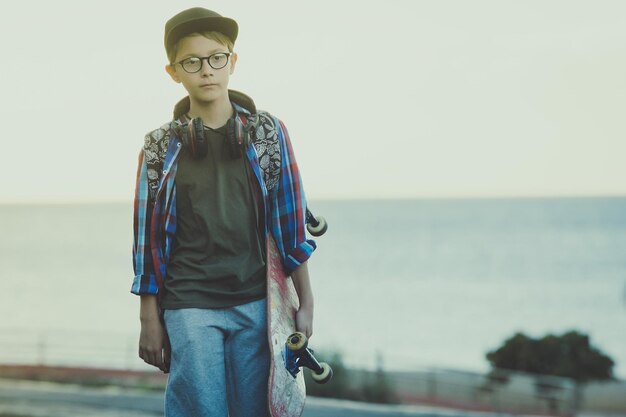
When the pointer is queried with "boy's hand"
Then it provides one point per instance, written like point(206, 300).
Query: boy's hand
point(154, 345)
point(304, 321)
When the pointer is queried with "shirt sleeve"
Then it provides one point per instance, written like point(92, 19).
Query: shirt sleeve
point(288, 208)
point(145, 278)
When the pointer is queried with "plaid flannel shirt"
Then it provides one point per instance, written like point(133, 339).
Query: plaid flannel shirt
point(282, 211)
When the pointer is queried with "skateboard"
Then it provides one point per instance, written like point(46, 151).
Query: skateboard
point(289, 349)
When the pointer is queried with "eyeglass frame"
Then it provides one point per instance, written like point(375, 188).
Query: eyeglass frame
point(202, 59)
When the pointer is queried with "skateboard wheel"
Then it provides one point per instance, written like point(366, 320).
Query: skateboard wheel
point(297, 342)
point(325, 376)
point(321, 227)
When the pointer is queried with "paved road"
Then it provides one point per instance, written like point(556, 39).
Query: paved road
point(41, 399)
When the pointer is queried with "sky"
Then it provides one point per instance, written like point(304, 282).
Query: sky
point(382, 99)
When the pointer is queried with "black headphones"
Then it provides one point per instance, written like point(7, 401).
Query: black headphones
point(192, 135)
point(191, 132)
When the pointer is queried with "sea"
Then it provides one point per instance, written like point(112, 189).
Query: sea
point(398, 284)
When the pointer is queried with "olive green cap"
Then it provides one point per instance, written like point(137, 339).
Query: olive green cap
point(197, 19)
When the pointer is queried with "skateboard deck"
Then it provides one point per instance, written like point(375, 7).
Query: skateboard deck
point(286, 394)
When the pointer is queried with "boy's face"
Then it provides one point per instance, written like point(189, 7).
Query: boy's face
point(208, 84)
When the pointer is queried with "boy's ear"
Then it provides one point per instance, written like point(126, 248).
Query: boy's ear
point(172, 72)
point(233, 62)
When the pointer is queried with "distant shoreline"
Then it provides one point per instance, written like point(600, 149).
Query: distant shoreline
point(79, 202)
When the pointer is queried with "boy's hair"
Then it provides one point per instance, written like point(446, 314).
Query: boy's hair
point(216, 36)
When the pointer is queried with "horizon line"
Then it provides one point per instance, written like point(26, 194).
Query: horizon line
point(75, 201)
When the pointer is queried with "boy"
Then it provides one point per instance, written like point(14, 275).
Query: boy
point(206, 201)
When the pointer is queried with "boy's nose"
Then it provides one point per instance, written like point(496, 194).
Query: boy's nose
point(206, 69)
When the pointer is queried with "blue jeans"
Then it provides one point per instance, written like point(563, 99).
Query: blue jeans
point(220, 362)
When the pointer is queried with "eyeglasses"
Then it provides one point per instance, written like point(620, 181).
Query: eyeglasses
point(194, 64)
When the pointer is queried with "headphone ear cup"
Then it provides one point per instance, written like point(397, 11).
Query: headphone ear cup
point(234, 139)
point(195, 139)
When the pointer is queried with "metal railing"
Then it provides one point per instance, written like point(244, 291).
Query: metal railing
point(501, 391)
point(69, 348)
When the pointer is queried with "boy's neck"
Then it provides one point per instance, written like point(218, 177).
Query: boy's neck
point(214, 114)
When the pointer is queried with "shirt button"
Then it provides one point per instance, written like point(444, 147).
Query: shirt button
point(179, 144)
point(165, 171)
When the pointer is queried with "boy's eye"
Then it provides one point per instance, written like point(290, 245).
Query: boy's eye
point(193, 64)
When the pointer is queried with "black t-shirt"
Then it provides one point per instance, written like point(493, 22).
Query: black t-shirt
point(217, 257)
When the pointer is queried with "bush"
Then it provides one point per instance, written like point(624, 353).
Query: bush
point(569, 355)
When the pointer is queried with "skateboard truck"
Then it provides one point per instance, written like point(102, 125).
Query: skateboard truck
point(297, 355)
point(316, 225)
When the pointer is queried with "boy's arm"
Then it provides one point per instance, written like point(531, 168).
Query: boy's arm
point(302, 283)
point(153, 341)
point(288, 228)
